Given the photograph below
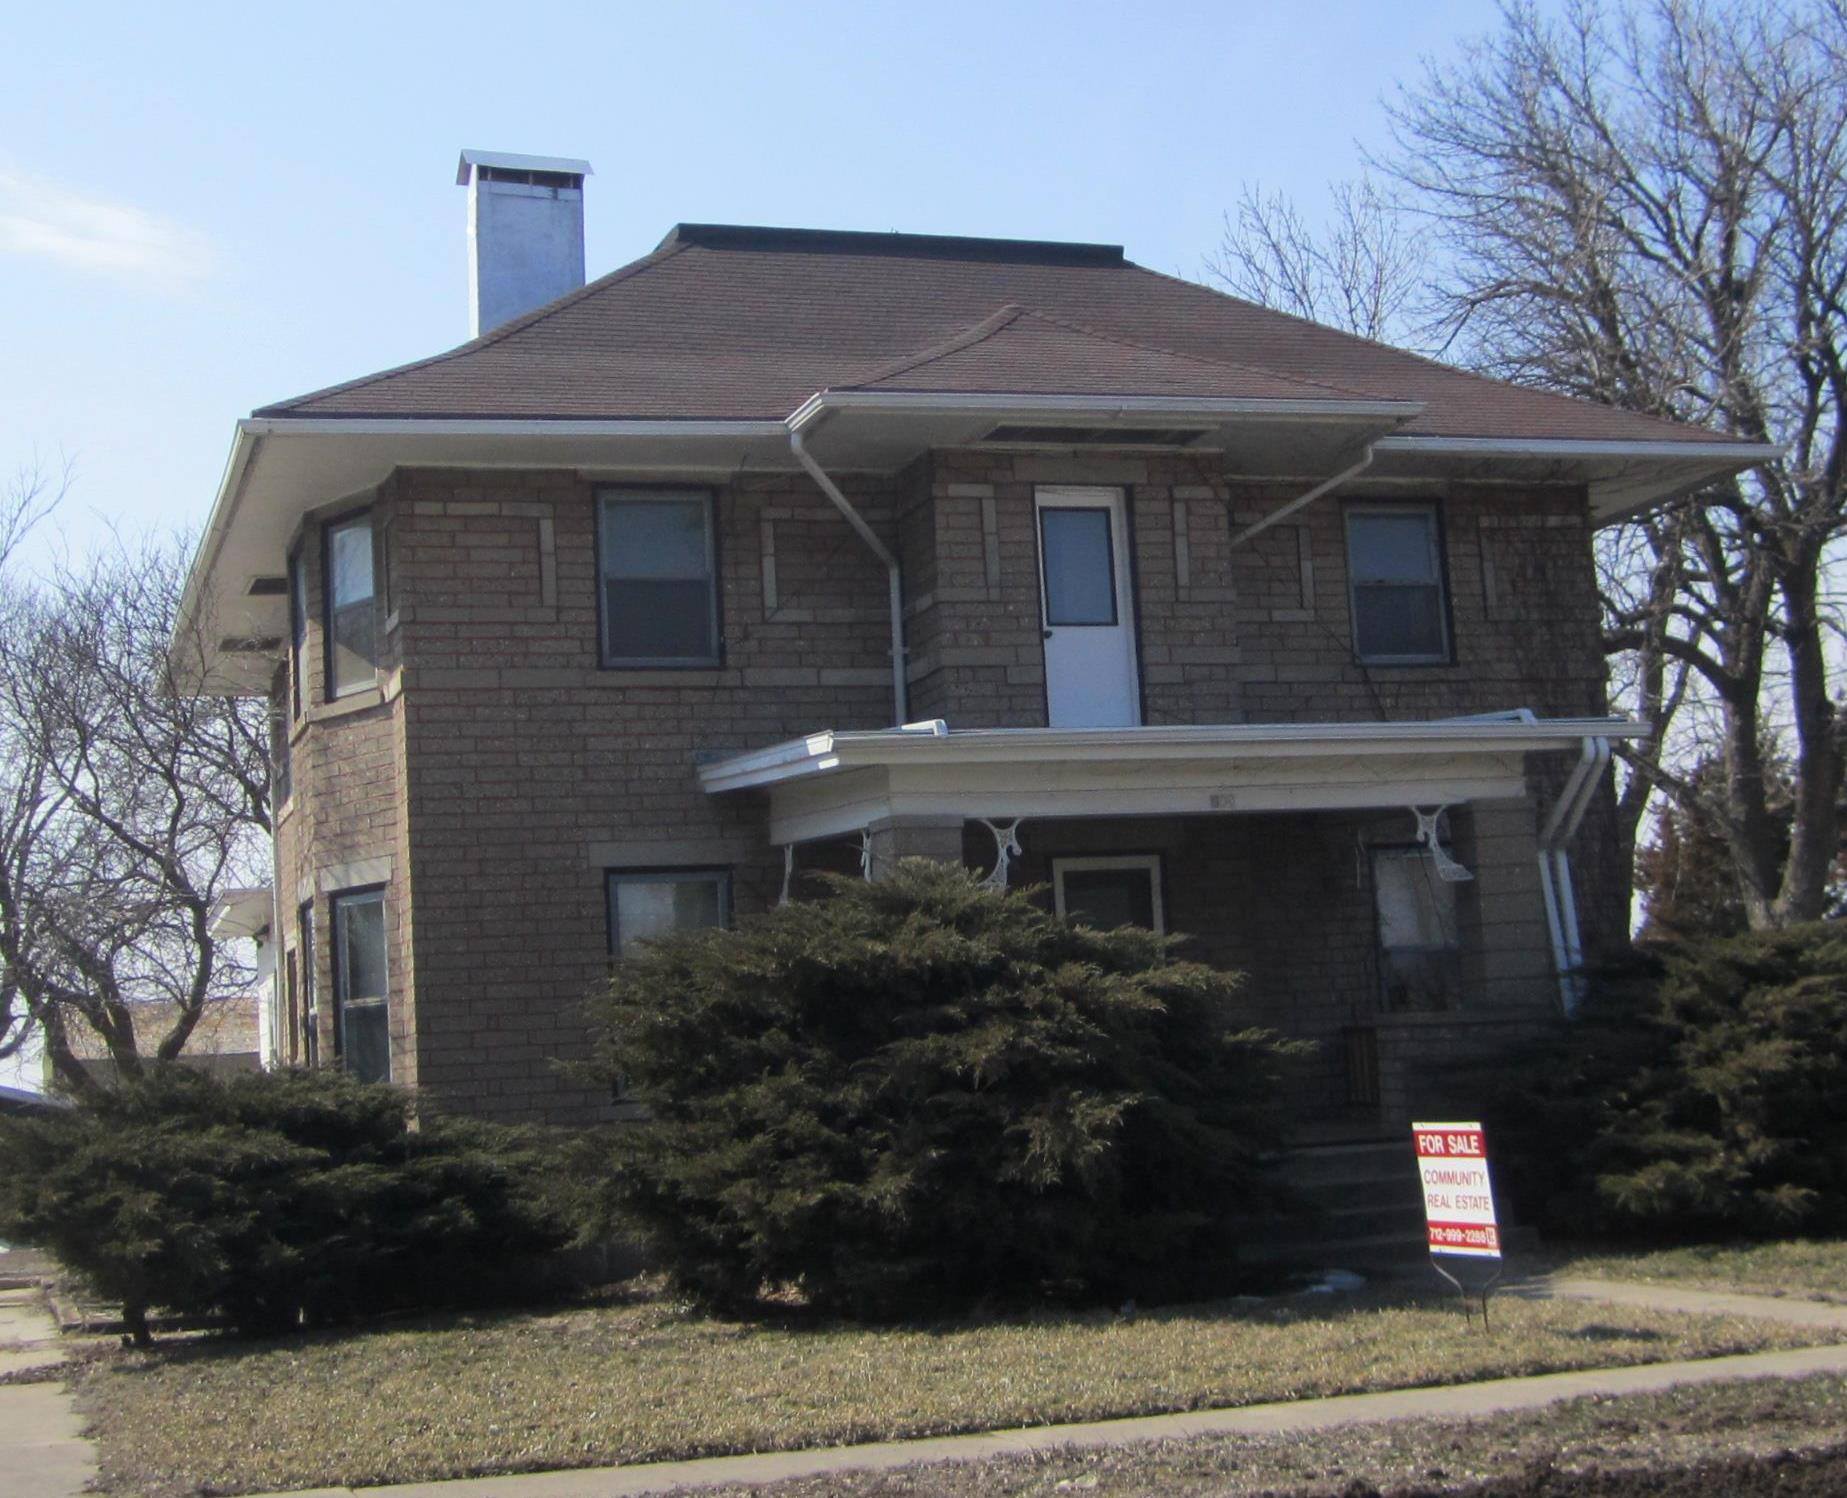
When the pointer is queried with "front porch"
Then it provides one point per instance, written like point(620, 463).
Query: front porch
point(1389, 890)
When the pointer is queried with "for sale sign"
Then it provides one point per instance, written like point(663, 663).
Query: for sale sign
point(1452, 1158)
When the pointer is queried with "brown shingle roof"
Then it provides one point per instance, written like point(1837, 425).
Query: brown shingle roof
point(734, 323)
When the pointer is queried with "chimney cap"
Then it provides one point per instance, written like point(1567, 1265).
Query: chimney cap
point(510, 161)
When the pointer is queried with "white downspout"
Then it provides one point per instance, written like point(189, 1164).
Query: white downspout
point(894, 575)
point(1303, 500)
point(1555, 867)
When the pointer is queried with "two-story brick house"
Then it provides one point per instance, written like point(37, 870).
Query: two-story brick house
point(784, 549)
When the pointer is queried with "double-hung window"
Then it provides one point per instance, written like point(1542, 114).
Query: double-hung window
point(1395, 573)
point(647, 904)
point(361, 994)
point(350, 618)
point(657, 568)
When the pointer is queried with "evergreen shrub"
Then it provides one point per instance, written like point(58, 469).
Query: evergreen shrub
point(275, 1199)
point(913, 1095)
point(1703, 1094)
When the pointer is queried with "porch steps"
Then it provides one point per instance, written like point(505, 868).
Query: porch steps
point(1365, 1210)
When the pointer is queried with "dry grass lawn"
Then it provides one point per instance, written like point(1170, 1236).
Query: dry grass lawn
point(642, 1379)
point(1647, 1435)
point(1813, 1269)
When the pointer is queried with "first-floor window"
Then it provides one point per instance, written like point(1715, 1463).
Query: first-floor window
point(362, 1029)
point(1419, 943)
point(1110, 892)
point(647, 904)
point(310, 1015)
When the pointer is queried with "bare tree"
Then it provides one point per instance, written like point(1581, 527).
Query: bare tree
point(1359, 273)
point(128, 805)
point(1644, 205)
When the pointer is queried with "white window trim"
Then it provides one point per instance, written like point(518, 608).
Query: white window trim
point(1437, 580)
point(1148, 863)
point(616, 494)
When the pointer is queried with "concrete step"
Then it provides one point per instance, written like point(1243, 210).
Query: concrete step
point(1333, 1163)
point(1334, 1196)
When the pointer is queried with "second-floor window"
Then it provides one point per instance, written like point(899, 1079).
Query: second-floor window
point(1395, 572)
point(351, 614)
point(298, 632)
point(657, 569)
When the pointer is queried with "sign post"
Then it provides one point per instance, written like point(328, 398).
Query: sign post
point(1465, 1239)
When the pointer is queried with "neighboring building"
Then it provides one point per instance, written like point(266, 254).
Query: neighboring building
point(784, 549)
point(230, 1033)
point(227, 1038)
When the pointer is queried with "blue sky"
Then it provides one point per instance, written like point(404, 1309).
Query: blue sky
point(204, 208)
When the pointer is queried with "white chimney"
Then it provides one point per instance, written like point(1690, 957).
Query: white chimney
point(525, 233)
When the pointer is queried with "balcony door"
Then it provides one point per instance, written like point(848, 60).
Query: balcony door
point(1088, 611)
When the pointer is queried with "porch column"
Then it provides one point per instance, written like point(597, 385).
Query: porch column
point(892, 838)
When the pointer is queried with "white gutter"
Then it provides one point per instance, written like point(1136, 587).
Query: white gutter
point(472, 426)
point(1303, 500)
point(1555, 867)
point(1565, 448)
point(946, 403)
point(894, 575)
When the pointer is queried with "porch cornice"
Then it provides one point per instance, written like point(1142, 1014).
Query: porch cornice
point(829, 783)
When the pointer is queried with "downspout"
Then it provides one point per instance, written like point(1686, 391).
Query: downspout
point(1555, 868)
point(1301, 501)
point(894, 575)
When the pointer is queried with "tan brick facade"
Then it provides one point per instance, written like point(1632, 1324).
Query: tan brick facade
point(499, 771)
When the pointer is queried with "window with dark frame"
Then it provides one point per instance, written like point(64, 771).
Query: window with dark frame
point(646, 904)
point(1110, 891)
point(657, 569)
point(1395, 584)
point(292, 1000)
point(361, 988)
point(280, 769)
point(350, 614)
point(1420, 946)
point(298, 632)
point(310, 1015)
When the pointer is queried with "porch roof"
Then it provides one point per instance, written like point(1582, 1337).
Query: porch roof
point(833, 782)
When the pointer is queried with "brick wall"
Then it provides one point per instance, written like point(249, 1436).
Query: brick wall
point(1262, 632)
point(1287, 901)
point(499, 771)
point(344, 824)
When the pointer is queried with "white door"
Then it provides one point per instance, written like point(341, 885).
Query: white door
point(1089, 615)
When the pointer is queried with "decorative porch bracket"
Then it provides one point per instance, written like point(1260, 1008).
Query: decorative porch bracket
point(1448, 869)
point(1006, 849)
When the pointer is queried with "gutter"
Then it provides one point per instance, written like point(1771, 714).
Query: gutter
point(894, 574)
point(1555, 868)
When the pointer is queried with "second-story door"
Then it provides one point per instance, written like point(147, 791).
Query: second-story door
point(1088, 611)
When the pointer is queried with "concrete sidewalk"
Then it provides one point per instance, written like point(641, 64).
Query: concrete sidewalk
point(42, 1450)
point(1457, 1401)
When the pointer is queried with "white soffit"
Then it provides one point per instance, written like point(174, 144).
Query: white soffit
point(1622, 477)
